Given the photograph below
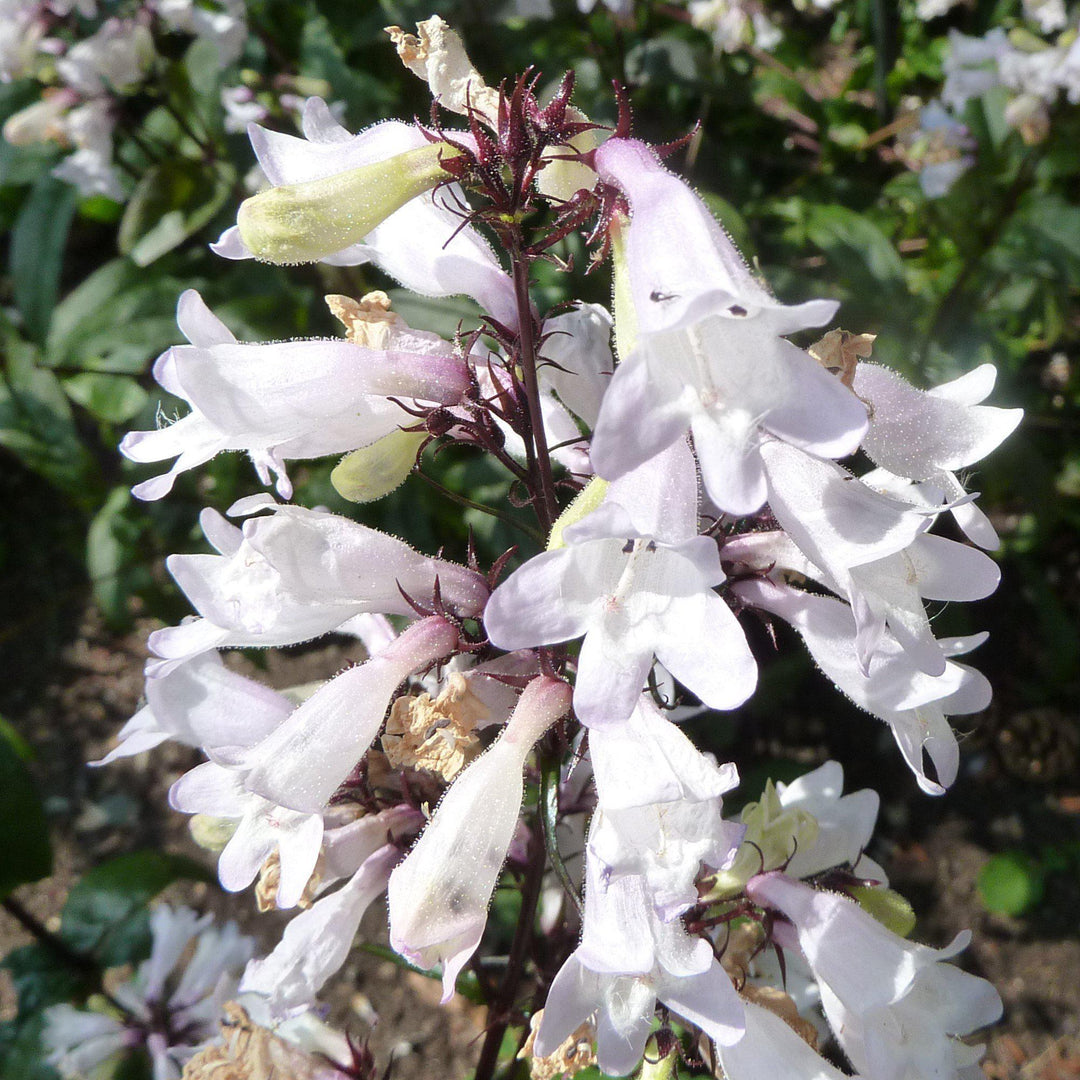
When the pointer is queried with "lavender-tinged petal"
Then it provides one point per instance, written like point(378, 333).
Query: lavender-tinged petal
point(770, 1049)
point(303, 761)
point(710, 1001)
point(622, 441)
point(543, 602)
point(199, 324)
point(317, 941)
point(704, 647)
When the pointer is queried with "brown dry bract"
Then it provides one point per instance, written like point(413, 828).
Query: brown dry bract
point(569, 1059)
point(436, 734)
point(840, 351)
point(249, 1052)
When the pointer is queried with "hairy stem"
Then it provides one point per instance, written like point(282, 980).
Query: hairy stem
point(545, 503)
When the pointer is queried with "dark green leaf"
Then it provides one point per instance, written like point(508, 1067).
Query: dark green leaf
point(36, 423)
point(37, 251)
point(170, 203)
point(858, 247)
point(117, 320)
point(21, 1053)
point(105, 914)
point(114, 560)
point(41, 977)
point(27, 851)
point(112, 398)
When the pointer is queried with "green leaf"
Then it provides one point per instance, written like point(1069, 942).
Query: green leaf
point(114, 558)
point(27, 851)
point(40, 979)
point(170, 203)
point(860, 250)
point(102, 209)
point(116, 320)
point(37, 251)
point(1010, 883)
point(36, 423)
point(105, 914)
point(112, 398)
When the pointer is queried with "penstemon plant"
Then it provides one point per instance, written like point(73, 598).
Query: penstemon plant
point(516, 723)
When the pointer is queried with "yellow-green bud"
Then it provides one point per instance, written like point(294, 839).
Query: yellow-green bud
point(585, 502)
point(211, 833)
point(888, 907)
point(298, 223)
point(373, 471)
point(775, 831)
point(655, 1067)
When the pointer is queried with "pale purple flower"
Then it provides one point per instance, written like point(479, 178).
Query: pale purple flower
point(290, 399)
point(894, 1006)
point(707, 352)
point(913, 703)
point(636, 581)
point(659, 813)
point(223, 23)
point(299, 573)
point(317, 942)
point(116, 57)
point(771, 1048)
point(262, 828)
point(972, 66)
point(439, 895)
point(627, 960)
point(201, 703)
point(844, 823)
point(171, 1010)
point(304, 760)
point(926, 436)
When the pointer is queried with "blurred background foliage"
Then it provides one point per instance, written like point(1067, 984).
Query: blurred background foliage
point(801, 153)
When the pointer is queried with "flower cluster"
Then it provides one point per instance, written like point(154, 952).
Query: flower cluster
point(88, 76)
point(1034, 72)
point(716, 475)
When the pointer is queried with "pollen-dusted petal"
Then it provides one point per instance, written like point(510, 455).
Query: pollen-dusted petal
point(917, 434)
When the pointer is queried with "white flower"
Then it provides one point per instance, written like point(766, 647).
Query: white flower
point(169, 1010)
point(771, 1049)
point(895, 690)
point(894, 1006)
point(316, 942)
point(297, 574)
point(926, 436)
point(972, 66)
point(201, 703)
point(660, 806)
point(303, 761)
point(117, 57)
point(439, 895)
point(704, 350)
point(635, 580)
point(292, 399)
point(262, 827)
point(221, 22)
point(1049, 14)
point(627, 960)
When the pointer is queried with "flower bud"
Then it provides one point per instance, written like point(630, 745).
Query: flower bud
point(373, 471)
point(298, 223)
